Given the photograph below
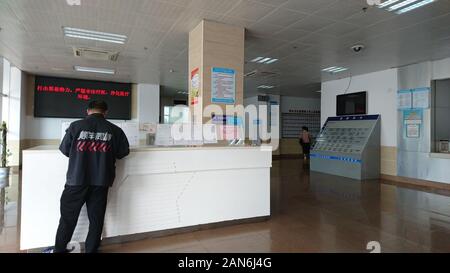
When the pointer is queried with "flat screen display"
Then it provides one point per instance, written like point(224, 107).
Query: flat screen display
point(68, 98)
point(352, 104)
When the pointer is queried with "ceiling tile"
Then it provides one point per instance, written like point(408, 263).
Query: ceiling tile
point(342, 9)
point(313, 23)
point(370, 17)
point(290, 34)
point(218, 6)
point(287, 50)
point(275, 3)
point(308, 5)
point(263, 30)
point(161, 9)
point(250, 10)
point(283, 17)
point(338, 29)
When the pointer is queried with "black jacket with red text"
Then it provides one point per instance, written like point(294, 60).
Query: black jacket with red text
point(93, 145)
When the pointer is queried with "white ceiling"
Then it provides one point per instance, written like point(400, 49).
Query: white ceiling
point(306, 35)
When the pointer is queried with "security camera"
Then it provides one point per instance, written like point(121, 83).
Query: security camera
point(358, 48)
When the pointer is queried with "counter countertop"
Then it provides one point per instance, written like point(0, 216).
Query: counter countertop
point(52, 148)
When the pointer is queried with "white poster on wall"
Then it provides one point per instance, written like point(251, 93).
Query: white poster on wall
point(164, 135)
point(131, 130)
point(421, 98)
point(404, 99)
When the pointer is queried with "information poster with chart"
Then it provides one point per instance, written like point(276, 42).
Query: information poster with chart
point(417, 98)
point(413, 120)
point(293, 122)
point(223, 85)
point(404, 99)
point(421, 98)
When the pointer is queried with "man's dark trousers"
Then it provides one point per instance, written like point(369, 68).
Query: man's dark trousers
point(72, 200)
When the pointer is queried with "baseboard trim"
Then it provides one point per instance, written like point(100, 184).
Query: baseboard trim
point(287, 156)
point(401, 180)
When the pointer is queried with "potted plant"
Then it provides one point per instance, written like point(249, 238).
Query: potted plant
point(4, 170)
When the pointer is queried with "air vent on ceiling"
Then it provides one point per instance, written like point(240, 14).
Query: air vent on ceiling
point(95, 54)
point(261, 74)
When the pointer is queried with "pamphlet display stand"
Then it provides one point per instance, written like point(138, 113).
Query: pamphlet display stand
point(349, 146)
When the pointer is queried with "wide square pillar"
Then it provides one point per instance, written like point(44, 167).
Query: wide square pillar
point(216, 67)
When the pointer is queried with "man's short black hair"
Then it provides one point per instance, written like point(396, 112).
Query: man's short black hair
point(98, 105)
point(305, 128)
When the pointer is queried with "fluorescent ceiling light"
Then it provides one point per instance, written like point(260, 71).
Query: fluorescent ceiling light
point(272, 61)
point(334, 69)
point(266, 86)
point(401, 5)
point(339, 70)
point(387, 3)
point(256, 59)
point(94, 70)
point(329, 68)
point(415, 6)
point(94, 35)
point(264, 60)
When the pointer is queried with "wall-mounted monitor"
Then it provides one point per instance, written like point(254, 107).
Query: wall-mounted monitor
point(68, 98)
point(351, 104)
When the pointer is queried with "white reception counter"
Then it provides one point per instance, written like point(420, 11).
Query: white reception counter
point(156, 189)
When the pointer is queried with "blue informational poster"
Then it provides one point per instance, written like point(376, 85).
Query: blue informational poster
point(223, 85)
point(417, 98)
point(421, 97)
point(404, 99)
point(412, 120)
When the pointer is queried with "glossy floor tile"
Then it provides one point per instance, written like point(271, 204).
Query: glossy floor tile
point(311, 212)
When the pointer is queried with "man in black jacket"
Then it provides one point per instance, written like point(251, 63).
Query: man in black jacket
point(92, 145)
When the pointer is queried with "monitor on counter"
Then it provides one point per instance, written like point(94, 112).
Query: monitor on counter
point(68, 98)
point(351, 104)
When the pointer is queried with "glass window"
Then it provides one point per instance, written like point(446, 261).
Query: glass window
point(174, 114)
point(441, 114)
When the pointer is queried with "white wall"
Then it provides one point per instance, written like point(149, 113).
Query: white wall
point(6, 84)
point(148, 103)
point(382, 99)
point(1, 86)
point(297, 103)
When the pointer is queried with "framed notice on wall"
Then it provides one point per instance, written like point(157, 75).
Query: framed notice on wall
point(223, 85)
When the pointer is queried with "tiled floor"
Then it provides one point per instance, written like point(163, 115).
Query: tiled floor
point(310, 213)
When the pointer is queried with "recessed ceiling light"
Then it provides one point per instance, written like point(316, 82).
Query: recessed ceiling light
point(266, 87)
point(334, 69)
point(73, 2)
point(94, 70)
point(387, 3)
point(402, 6)
point(264, 60)
point(272, 61)
point(94, 35)
point(256, 59)
point(415, 6)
